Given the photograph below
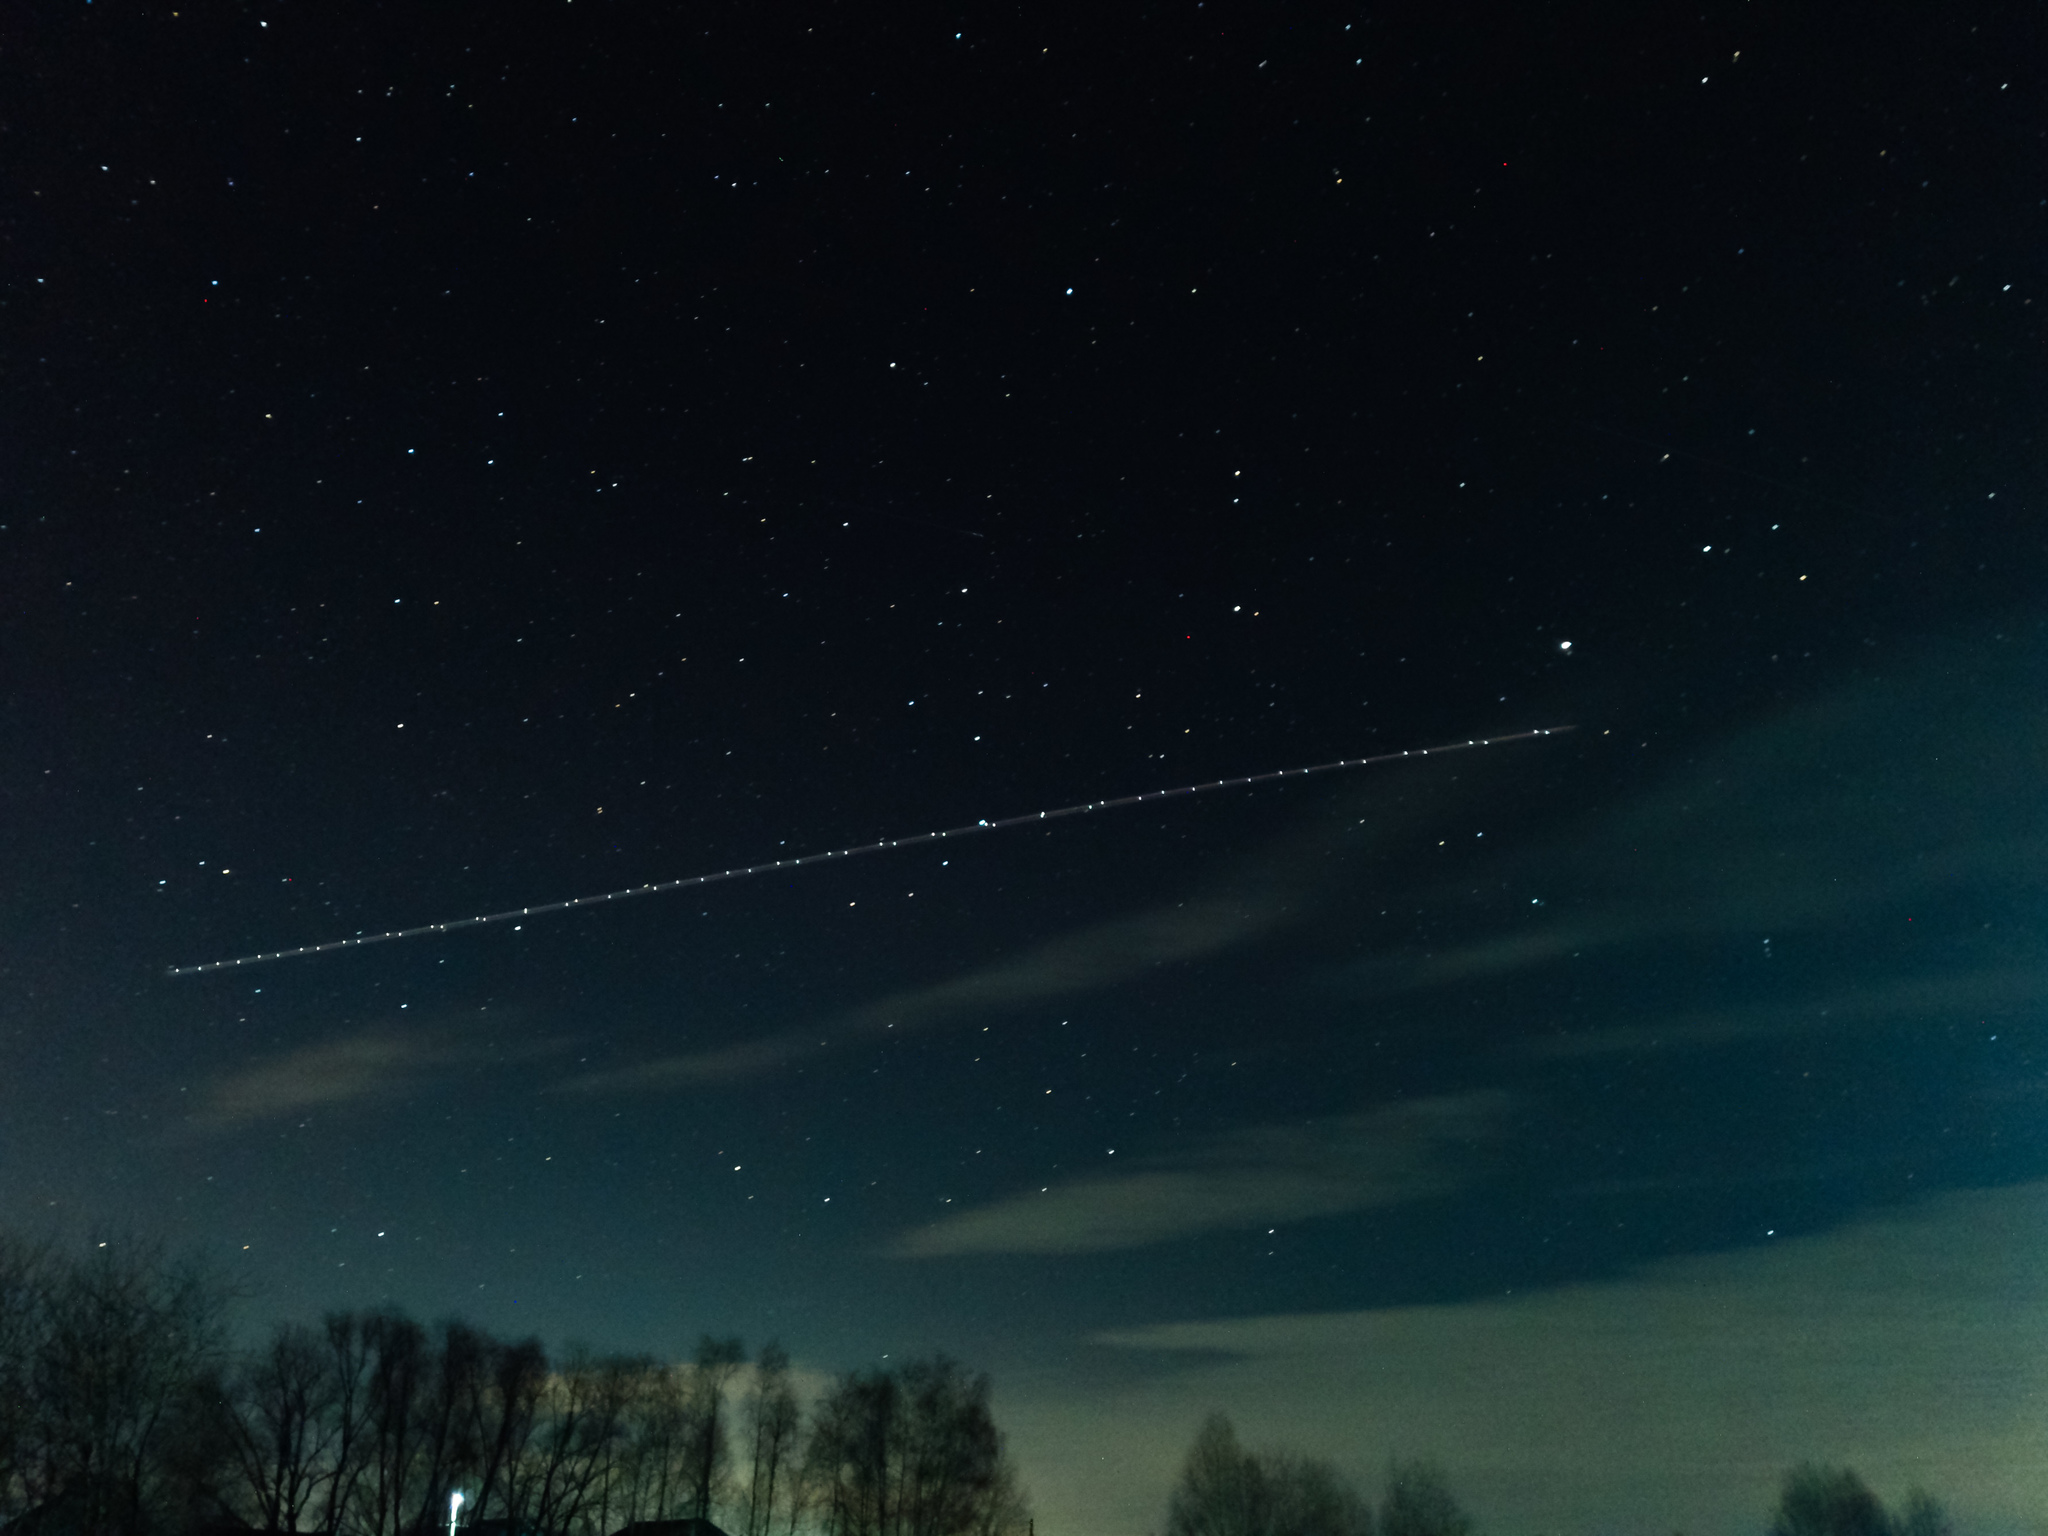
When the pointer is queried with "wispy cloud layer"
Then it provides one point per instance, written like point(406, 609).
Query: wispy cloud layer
point(371, 1065)
point(1939, 996)
point(1102, 955)
point(1256, 1176)
point(1673, 1399)
point(1915, 787)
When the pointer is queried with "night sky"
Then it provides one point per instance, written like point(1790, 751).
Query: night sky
point(462, 456)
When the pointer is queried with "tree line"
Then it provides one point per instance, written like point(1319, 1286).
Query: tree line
point(124, 1410)
point(1227, 1490)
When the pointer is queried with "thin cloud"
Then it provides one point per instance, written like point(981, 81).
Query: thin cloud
point(372, 1065)
point(1539, 946)
point(1679, 1394)
point(1256, 1176)
point(1889, 792)
point(1988, 991)
point(1103, 955)
point(1279, 885)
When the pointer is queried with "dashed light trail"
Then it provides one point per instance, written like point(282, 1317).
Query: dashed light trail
point(655, 888)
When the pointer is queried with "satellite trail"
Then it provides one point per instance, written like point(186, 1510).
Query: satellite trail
point(1086, 808)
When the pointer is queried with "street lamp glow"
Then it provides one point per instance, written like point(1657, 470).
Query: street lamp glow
point(454, 1504)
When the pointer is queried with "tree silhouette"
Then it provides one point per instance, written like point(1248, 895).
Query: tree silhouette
point(504, 1414)
point(118, 1346)
point(1923, 1515)
point(1225, 1490)
point(122, 1413)
point(26, 1271)
point(348, 1366)
point(911, 1452)
point(1834, 1501)
point(1221, 1490)
point(280, 1427)
point(773, 1420)
point(1310, 1498)
point(1828, 1501)
point(718, 1361)
point(1418, 1502)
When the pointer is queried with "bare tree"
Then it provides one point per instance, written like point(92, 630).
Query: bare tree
point(952, 1459)
point(348, 1367)
point(773, 1420)
point(1311, 1498)
point(503, 1412)
point(806, 1486)
point(848, 1455)
point(914, 1452)
point(1828, 1501)
point(1221, 1491)
point(395, 1384)
point(121, 1339)
point(122, 1414)
point(718, 1361)
point(619, 1388)
point(1225, 1490)
point(456, 1373)
point(365, 1427)
point(281, 1427)
point(1418, 1502)
point(26, 1274)
point(661, 1440)
point(570, 1471)
point(1923, 1515)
